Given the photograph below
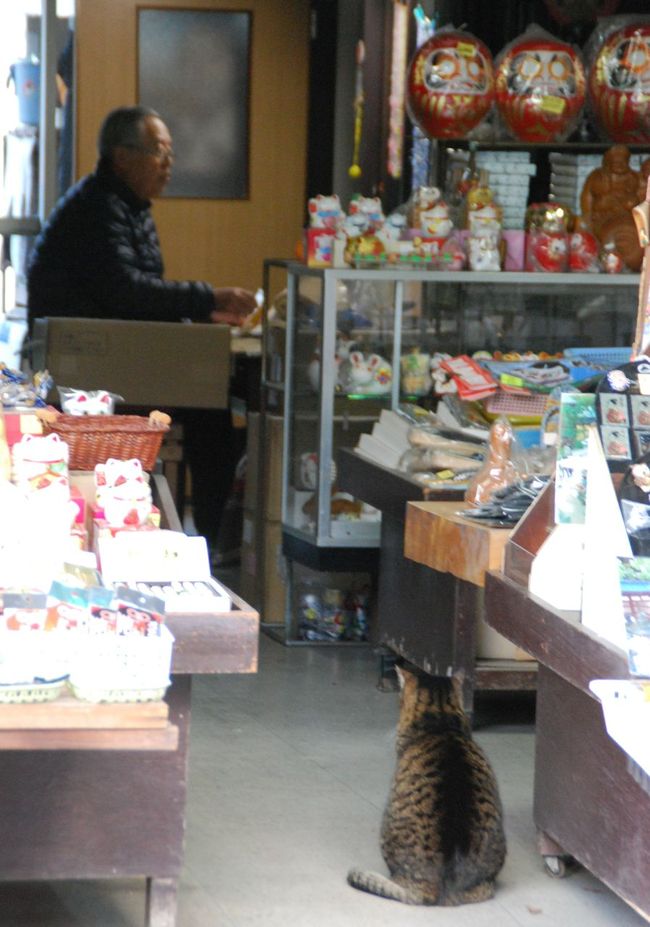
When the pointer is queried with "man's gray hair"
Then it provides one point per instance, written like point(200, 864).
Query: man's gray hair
point(122, 126)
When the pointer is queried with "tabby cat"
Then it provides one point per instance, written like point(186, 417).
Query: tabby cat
point(442, 833)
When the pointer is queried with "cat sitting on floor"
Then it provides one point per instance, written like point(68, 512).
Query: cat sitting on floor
point(442, 833)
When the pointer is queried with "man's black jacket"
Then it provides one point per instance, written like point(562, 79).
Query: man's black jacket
point(98, 256)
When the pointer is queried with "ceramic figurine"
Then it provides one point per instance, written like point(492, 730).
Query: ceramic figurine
point(325, 212)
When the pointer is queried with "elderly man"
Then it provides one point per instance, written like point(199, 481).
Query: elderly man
point(98, 256)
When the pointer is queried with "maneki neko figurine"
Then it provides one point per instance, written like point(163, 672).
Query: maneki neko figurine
point(484, 218)
point(325, 212)
point(370, 208)
point(430, 213)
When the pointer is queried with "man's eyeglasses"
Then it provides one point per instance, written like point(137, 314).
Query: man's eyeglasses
point(159, 153)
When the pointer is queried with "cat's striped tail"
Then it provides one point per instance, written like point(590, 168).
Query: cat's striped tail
point(377, 884)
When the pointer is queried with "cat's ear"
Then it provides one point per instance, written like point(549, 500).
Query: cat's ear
point(457, 686)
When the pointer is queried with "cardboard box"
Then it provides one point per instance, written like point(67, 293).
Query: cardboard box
point(271, 463)
point(319, 247)
point(491, 645)
point(262, 580)
point(147, 363)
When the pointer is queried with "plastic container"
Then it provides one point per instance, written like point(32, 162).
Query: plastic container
point(26, 76)
point(607, 357)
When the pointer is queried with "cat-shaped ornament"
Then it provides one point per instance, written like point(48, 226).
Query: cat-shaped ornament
point(442, 834)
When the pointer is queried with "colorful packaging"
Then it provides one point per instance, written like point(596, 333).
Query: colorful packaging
point(540, 87)
point(450, 84)
point(618, 55)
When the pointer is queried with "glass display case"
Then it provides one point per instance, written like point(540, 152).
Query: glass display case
point(342, 344)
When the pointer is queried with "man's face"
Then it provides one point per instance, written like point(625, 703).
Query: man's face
point(146, 169)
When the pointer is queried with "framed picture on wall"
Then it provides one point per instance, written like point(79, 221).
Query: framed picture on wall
point(194, 70)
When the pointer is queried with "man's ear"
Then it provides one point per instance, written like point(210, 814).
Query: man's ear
point(120, 159)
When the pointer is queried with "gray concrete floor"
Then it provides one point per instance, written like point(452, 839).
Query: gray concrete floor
point(289, 770)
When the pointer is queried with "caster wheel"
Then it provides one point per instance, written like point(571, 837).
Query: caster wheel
point(555, 866)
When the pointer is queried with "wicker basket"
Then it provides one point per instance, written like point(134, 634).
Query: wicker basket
point(92, 439)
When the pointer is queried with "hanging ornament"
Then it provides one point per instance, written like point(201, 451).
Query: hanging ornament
point(450, 84)
point(355, 168)
point(421, 144)
point(397, 89)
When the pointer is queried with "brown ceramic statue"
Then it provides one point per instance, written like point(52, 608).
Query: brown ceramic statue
point(643, 185)
point(607, 199)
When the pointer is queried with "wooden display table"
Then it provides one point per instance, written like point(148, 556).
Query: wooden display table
point(445, 541)
point(463, 550)
point(67, 723)
point(425, 612)
point(109, 801)
point(587, 805)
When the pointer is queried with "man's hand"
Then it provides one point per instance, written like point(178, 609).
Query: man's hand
point(232, 305)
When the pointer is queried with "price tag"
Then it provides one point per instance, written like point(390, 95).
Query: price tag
point(466, 49)
point(554, 105)
point(644, 383)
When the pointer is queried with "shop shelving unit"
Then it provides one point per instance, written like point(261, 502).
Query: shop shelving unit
point(389, 312)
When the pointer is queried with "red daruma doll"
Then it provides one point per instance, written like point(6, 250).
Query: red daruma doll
point(619, 84)
point(450, 85)
point(540, 87)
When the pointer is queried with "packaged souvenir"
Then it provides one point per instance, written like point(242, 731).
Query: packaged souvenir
point(416, 375)
point(450, 84)
point(547, 238)
point(499, 469)
point(540, 87)
point(618, 61)
point(16, 390)
point(584, 252)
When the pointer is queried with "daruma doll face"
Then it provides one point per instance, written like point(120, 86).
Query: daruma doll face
point(540, 89)
point(450, 84)
point(619, 85)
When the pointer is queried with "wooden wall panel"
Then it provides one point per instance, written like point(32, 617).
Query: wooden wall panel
point(222, 241)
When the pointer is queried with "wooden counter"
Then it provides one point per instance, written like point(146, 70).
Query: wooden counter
point(586, 803)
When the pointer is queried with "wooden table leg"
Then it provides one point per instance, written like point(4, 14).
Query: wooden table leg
point(468, 605)
point(162, 902)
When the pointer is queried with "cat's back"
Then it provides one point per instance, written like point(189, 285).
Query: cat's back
point(444, 814)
